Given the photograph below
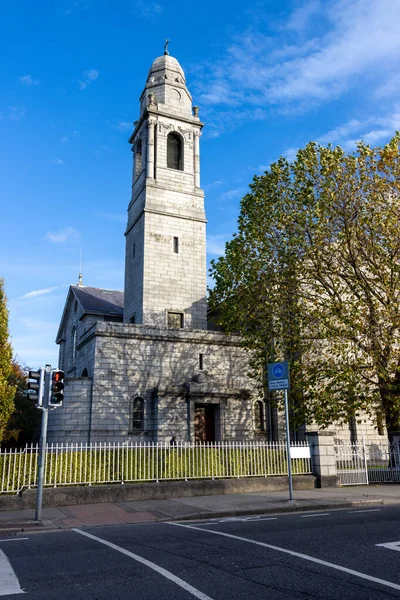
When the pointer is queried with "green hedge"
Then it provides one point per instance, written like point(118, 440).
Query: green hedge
point(145, 463)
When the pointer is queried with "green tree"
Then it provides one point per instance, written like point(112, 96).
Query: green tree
point(7, 389)
point(313, 276)
point(25, 419)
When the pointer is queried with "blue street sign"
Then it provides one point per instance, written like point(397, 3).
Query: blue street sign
point(278, 376)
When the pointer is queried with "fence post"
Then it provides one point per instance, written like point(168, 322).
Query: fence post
point(323, 458)
point(395, 435)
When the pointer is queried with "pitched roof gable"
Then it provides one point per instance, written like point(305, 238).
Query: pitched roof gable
point(98, 300)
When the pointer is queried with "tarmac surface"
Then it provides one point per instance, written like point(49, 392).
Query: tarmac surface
point(197, 507)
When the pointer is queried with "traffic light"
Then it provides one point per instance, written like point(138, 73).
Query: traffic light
point(57, 387)
point(36, 386)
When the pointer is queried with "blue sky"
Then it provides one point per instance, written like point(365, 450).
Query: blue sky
point(268, 76)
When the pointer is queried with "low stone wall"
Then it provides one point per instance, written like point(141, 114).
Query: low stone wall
point(66, 496)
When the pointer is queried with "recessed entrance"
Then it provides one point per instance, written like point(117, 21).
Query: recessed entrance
point(206, 422)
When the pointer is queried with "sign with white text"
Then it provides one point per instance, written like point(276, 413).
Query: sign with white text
point(278, 376)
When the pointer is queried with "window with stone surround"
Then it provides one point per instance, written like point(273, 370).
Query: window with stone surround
point(175, 320)
point(73, 347)
point(259, 416)
point(138, 159)
point(176, 245)
point(174, 152)
point(136, 415)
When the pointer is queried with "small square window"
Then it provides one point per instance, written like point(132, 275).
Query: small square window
point(175, 320)
point(176, 245)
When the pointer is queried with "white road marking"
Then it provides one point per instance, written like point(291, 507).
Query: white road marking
point(183, 584)
point(236, 519)
point(391, 545)
point(14, 539)
point(262, 519)
point(366, 510)
point(314, 515)
point(9, 583)
point(318, 561)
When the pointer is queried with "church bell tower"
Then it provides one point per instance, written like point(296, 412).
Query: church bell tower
point(165, 262)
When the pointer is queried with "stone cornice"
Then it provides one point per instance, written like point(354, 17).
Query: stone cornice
point(154, 112)
point(164, 214)
point(143, 332)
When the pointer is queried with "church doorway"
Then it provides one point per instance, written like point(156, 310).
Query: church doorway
point(206, 422)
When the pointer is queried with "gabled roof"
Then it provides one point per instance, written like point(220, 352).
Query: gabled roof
point(97, 300)
point(94, 301)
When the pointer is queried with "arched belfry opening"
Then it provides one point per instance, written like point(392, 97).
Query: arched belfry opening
point(175, 152)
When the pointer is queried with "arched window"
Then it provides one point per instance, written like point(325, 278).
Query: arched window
point(259, 416)
point(85, 373)
point(138, 159)
point(73, 345)
point(174, 152)
point(137, 414)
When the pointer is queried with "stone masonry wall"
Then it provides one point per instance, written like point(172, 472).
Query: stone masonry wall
point(157, 365)
point(71, 422)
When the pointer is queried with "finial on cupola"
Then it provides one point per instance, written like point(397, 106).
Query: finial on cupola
point(166, 47)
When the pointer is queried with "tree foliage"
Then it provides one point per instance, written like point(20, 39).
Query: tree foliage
point(7, 389)
point(313, 277)
point(24, 421)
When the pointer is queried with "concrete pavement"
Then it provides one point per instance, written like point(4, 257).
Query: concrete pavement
point(198, 507)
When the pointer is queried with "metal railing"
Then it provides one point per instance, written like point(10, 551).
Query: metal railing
point(351, 464)
point(361, 463)
point(383, 462)
point(101, 463)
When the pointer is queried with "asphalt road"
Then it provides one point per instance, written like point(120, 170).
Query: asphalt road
point(332, 555)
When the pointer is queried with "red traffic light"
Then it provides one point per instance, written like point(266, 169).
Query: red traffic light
point(57, 386)
point(58, 376)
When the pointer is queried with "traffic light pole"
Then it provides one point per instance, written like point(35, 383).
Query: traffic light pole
point(43, 440)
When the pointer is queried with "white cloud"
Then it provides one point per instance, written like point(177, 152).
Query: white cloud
point(88, 77)
point(15, 113)
point(38, 325)
point(301, 17)
point(121, 218)
point(230, 194)
point(216, 244)
point(349, 48)
point(28, 80)
point(148, 10)
point(125, 126)
point(291, 154)
point(58, 237)
point(371, 130)
point(36, 293)
point(57, 161)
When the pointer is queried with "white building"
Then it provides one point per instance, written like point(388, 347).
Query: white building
point(141, 365)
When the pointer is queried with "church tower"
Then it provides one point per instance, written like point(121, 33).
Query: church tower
point(165, 263)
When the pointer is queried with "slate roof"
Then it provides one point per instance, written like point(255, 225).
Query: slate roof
point(97, 300)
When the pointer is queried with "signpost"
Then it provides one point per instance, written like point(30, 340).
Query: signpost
point(278, 379)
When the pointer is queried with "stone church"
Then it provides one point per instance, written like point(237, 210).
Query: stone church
point(141, 365)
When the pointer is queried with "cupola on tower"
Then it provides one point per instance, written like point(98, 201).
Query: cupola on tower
point(165, 263)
